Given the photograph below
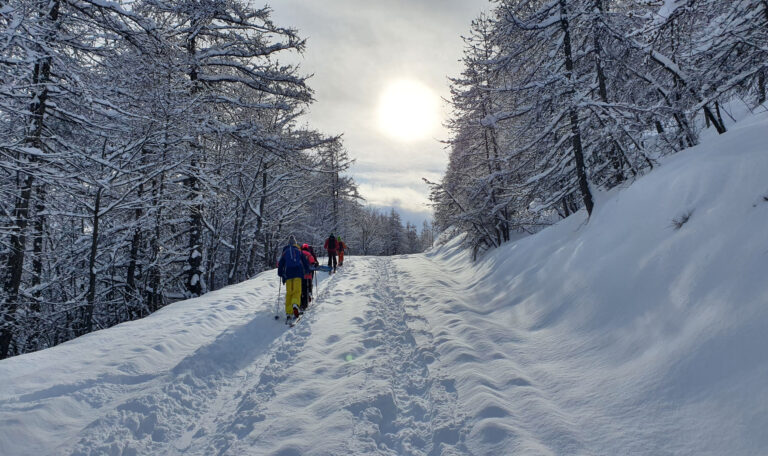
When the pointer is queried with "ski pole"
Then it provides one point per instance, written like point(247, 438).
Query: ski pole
point(277, 301)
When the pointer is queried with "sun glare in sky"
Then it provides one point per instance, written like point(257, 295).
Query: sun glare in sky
point(408, 110)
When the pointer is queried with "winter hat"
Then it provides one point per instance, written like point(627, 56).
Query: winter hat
point(305, 247)
point(292, 240)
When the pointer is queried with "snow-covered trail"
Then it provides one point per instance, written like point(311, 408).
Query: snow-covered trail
point(412, 355)
point(355, 376)
point(350, 378)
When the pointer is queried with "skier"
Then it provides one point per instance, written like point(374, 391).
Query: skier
point(292, 268)
point(341, 247)
point(330, 246)
point(306, 283)
point(312, 251)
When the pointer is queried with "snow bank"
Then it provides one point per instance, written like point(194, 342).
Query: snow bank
point(47, 396)
point(626, 334)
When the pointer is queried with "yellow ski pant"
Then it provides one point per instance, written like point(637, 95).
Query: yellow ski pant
point(292, 294)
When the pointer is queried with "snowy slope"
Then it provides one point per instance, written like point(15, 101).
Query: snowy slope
point(623, 335)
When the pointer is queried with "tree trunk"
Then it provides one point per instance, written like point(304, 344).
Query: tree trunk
point(195, 260)
point(41, 76)
point(38, 238)
point(154, 276)
point(718, 124)
point(719, 116)
point(234, 256)
point(259, 224)
point(491, 143)
point(578, 153)
point(134, 295)
point(335, 194)
point(601, 80)
point(87, 324)
point(210, 257)
point(617, 156)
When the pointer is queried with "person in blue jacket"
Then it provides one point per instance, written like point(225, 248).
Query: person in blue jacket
point(292, 268)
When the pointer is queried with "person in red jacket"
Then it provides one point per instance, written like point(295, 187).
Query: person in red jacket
point(331, 245)
point(340, 246)
point(306, 283)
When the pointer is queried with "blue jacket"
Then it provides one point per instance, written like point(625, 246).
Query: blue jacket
point(293, 264)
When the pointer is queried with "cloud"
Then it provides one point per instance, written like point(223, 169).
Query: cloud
point(397, 178)
point(354, 49)
point(388, 196)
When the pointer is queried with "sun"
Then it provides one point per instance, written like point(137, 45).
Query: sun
point(408, 110)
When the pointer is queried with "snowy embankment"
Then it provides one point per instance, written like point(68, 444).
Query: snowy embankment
point(624, 335)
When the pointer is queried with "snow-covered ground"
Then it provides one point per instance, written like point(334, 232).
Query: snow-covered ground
point(623, 335)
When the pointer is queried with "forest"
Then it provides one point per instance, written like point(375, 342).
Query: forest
point(152, 151)
point(560, 100)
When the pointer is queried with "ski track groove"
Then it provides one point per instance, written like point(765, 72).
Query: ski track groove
point(417, 415)
point(215, 403)
point(175, 416)
point(256, 396)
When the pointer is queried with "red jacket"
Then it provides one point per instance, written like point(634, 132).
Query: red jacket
point(335, 246)
point(311, 261)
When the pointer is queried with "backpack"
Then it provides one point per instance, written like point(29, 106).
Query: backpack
point(292, 258)
point(331, 243)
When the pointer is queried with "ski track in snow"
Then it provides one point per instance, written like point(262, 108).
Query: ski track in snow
point(389, 400)
point(414, 412)
point(189, 407)
point(229, 397)
point(162, 419)
point(511, 408)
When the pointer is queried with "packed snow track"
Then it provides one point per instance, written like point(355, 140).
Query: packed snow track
point(354, 376)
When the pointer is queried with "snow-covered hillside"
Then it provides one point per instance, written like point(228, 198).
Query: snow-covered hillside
point(623, 335)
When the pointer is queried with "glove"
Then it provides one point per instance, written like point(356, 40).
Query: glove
point(283, 280)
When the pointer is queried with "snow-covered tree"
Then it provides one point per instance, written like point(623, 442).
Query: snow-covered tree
point(561, 98)
point(122, 190)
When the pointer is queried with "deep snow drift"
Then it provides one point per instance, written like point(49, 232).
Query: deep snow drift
point(623, 335)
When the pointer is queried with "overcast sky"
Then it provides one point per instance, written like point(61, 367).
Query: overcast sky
point(355, 48)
